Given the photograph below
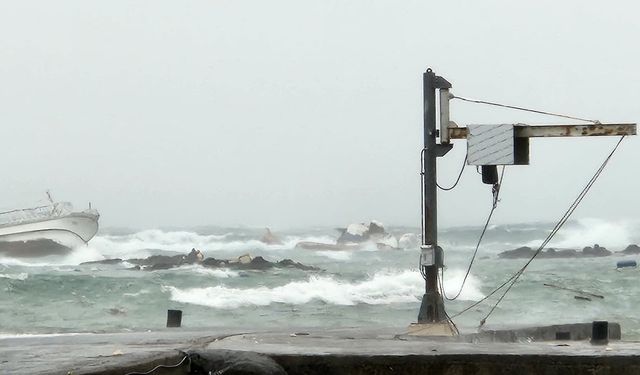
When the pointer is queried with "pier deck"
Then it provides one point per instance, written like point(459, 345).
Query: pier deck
point(339, 351)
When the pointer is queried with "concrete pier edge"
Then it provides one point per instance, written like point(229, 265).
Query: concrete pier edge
point(316, 351)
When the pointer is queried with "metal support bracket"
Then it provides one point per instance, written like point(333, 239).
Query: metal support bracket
point(443, 149)
point(441, 83)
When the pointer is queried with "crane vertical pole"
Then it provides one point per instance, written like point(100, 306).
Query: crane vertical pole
point(432, 307)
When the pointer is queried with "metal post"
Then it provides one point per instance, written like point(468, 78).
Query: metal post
point(432, 307)
point(445, 96)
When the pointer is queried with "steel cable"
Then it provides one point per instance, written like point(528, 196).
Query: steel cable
point(522, 109)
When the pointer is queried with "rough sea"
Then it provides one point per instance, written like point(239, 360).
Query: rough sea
point(363, 288)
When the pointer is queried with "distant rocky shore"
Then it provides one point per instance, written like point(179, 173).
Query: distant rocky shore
point(587, 252)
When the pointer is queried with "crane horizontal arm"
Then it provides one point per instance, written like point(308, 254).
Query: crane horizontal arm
point(530, 131)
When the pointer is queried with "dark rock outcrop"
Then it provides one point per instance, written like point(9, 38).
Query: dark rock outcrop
point(356, 236)
point(527, 252)
point(360, 232)
point(632, 249)
point(595, 251)
point(245, 262)
point(521, 252)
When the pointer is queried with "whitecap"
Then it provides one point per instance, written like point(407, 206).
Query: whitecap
point(17, 276)
point(383, 288)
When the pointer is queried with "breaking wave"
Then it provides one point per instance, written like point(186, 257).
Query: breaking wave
point(382, 288)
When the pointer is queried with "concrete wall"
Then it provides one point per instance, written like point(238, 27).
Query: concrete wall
point(459, 365)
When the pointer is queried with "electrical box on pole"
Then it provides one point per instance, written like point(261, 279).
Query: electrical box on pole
point(487, 146)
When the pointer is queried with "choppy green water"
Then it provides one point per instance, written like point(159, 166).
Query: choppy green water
point(359, 288)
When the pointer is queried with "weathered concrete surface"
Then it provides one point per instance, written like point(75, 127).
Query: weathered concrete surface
point(351, 352)
point(576, 331)
point(99, 353)
point(339, 351)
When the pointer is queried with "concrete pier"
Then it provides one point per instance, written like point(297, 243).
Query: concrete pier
point(300, 351)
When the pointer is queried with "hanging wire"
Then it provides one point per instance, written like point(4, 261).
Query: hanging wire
point(565, 217)
point(464, 164)
point(523, 109)
point(484, 230)
point(450, 321)
point(422, 200)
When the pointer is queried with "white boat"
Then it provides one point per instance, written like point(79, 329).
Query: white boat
point(45, 230)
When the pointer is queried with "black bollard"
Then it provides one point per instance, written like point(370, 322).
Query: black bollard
point(174, 318)
point(600, 332)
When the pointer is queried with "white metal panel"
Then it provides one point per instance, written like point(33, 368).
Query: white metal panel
point(490, 144)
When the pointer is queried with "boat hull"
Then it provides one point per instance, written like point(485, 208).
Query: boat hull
point(52, 236)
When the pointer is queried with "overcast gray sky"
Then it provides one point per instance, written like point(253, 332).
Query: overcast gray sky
point(294, 113)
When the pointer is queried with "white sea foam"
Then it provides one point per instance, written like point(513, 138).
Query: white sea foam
point(222, 273)
point(136, 294)
point(16, 276)
point(382, 288)
point(336, 255)
point(8, 261)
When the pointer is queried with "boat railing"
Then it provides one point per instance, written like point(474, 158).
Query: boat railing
point(23, 215)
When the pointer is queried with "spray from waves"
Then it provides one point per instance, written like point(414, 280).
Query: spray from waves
point(137, 245)
point(149, 242)
point(383, 288)
point(75, 257)
point(145, 243)
point(615, 235)
point(81, 254)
